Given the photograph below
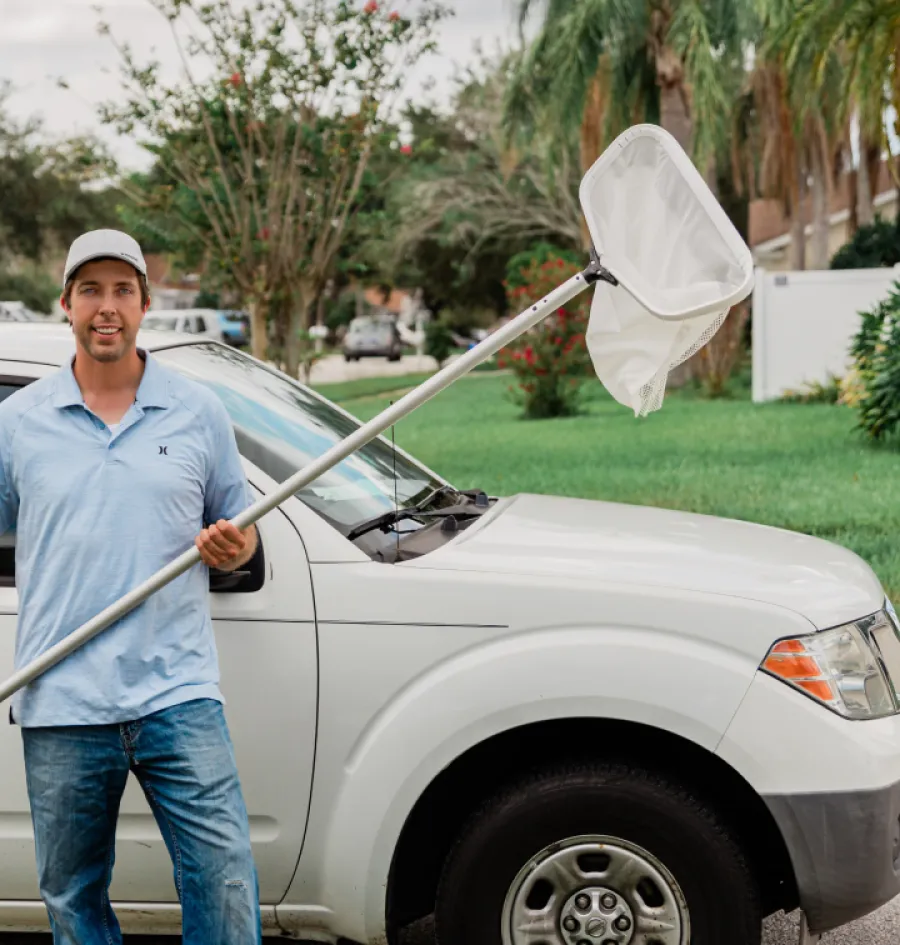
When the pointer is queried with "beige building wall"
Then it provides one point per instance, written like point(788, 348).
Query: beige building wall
point(769, 228)
point(774, 254)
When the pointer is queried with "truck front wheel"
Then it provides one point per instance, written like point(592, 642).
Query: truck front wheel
point(604, 854)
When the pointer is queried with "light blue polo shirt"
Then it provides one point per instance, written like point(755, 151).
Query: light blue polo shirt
point(95, 514)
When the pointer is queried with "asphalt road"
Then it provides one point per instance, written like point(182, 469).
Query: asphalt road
point(880, 928)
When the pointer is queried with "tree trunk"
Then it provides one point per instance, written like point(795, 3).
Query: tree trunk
point(674, 113)
point(259, 342)
point(718, 358)
point(865, 211)
point(820, 215)
point(293, 343)
point(591, 137)
point(853, 196)
point(797, 255)
point(297, 350)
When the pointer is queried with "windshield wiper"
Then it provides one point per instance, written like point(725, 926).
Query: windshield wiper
point(387, 519)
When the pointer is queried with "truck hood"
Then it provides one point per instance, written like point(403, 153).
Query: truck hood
point(625, 544)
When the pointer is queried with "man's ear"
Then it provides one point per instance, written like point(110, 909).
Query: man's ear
point(66, 309)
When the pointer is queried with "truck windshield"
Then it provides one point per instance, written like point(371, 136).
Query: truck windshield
point(281, 426)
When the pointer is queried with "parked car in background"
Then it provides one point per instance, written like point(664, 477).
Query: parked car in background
point(372, 338)
point(18, 312)
point(199, 322)
point(235, 326)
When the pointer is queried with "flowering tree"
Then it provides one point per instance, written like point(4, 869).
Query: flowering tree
point(263, 160)
point(551, 362)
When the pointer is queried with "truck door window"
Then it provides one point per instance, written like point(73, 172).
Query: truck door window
point(7, 542)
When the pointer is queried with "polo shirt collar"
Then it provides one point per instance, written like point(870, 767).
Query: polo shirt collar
point(153, 391)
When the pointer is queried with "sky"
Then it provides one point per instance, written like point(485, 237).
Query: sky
point(43, 40)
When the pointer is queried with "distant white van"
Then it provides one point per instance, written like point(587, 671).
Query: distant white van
point(197, 322)
point(18, 312)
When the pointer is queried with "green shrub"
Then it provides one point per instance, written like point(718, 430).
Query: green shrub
point(876, 356)
point(438, 341)
point(341, 311)
point(551, 361)
point(874, 245)
point(206, 298)
point(31, 285)
point(522, 264)
point(815, 392)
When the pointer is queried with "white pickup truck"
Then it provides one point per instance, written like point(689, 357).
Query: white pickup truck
point(546, 721)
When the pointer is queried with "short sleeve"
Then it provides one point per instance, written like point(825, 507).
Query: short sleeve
point(9, 497)
point(227, 490)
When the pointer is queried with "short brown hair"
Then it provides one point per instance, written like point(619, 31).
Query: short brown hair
point(142, 282)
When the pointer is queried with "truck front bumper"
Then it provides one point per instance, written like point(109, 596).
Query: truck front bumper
point(833, 788)
point(845, 849)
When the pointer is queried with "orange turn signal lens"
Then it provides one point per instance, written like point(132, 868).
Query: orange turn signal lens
point(794, 667)
point(792, 662)
point(818, 688)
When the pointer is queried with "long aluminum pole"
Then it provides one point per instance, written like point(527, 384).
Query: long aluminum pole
point(368, 431)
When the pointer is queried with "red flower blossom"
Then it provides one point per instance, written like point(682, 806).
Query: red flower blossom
point(263, 234)
point(406, 149)
point(235, 79)
point(371, 7)
point(394, 16)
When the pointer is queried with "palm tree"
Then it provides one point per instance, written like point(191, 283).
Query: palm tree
point(789, 139)
point(604, 64)
point(598, 66)
point(866, 33)
point(865, 36)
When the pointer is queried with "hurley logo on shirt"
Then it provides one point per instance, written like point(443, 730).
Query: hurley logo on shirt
point(164, 451)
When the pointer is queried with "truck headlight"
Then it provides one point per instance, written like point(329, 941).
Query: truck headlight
point(852, 669)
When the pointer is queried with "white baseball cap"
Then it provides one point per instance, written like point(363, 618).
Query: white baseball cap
point(103, 244)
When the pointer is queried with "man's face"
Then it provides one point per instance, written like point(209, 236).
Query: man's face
point(105, 309)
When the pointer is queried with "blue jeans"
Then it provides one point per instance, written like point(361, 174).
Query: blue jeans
point(184, 761)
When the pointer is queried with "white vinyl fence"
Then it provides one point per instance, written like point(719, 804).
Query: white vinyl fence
point(804, 323)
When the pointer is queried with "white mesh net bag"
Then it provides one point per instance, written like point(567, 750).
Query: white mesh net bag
point(659, 230)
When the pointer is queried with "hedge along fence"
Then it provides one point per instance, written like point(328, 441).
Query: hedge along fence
point(873, 385)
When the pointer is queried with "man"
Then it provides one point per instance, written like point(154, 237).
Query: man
point(109, 469)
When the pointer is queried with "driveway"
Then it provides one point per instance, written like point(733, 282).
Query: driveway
point(333, 368)
point(880, 928)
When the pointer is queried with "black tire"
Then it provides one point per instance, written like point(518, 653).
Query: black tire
point(617, 800)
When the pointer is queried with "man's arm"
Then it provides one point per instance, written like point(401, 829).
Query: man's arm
point(226, 547)
point(227, 493)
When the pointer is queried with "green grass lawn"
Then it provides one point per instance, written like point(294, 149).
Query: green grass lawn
point(346, 391)
point(797, 466)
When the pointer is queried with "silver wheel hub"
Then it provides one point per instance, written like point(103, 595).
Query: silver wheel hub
point(595, 890)
point(596, 914)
